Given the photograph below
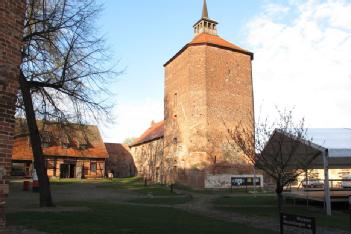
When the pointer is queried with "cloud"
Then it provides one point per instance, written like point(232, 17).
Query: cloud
point(303, 60)
point(132, 119)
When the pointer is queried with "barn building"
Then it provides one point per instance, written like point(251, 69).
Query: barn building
point(70, 151)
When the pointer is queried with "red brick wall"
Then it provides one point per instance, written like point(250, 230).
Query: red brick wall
point(185, 106)
point(204, 87)
point(11, 31)
point(229, 98)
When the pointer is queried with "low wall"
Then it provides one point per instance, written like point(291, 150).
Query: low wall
point(219, 181)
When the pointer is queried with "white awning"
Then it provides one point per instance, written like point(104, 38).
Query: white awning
point(336, 140)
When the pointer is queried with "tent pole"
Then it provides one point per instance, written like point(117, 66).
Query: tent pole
point(326, 182)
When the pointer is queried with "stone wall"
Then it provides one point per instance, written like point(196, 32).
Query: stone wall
point(207, 90)
point(11, 31)
point(150, 161)
point(120, 161)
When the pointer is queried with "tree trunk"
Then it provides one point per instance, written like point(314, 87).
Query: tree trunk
point(279, 191)
point(280, 201)
point(39, 162)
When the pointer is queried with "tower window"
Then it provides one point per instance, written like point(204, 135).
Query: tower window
point(175, 101)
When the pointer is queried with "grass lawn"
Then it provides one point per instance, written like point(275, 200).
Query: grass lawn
point(162, 200)
point(267, 206)
point(112, 218)
point(219, 191)
point(135, 184)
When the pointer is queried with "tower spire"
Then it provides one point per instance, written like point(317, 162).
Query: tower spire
point(204, 10)
point(205, 24)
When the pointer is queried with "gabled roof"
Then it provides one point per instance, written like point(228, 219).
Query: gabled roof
point(116, 149)
point(155, 132)
point(211, 40)
point(74, 135)
point(336, 140)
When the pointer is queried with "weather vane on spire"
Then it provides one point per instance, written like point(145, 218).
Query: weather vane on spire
point(204, 10)
point(205, 24)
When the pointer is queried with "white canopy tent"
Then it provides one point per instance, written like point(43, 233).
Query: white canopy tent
point(338, 143)
point(334, 145)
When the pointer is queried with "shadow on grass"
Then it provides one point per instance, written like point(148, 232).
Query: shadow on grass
point(112, 218)
point(135, 184)
point(266, 206)
point(162, 200)
point(220, 191)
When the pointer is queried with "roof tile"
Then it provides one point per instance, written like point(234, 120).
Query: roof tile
point(22, 149)
point(216, 40)
point(156, 131)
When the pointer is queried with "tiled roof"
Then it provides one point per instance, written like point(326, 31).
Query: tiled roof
point(87, 134)
point(155, 132)
point(205, 38)
point(211, 40)
point(117, 149)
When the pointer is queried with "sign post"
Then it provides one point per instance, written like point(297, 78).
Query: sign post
point(297, 221)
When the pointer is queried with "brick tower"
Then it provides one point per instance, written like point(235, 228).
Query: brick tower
point(208, 88)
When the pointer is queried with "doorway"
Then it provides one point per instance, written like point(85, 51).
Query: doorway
point(67, 170)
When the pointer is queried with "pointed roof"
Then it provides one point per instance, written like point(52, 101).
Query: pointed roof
point(204, 10)
point(206, 34)
point(205, 38)
point(214, 41)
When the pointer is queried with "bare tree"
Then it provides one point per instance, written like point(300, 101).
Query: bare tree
point(281, 148)
point(221, 155)
point(129, 140)
point(63, 71)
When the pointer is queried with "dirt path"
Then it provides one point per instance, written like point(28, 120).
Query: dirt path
point(202, 205)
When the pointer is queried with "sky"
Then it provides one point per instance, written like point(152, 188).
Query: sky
point(302, 56)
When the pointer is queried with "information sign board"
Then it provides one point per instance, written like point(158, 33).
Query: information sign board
point(297, 221)
point(245, 181)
